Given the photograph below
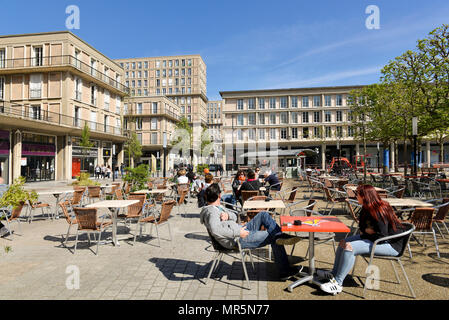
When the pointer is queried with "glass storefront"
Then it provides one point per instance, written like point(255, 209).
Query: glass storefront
point(84, 160)
point(38, 157)
point(4, 155)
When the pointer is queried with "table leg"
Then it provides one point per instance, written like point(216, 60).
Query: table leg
point(56, 216)
point(114, 214)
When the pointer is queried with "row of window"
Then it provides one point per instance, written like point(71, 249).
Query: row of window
point(159, 63)
point(164, 91)
point(283, 133)
point(164, 82)
point(271, 118)
point(164, 72)
point(316, 101)
point(93, 94)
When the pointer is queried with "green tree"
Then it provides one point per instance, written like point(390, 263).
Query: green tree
point(182, 137)
point(133, 147)
point(85, 137)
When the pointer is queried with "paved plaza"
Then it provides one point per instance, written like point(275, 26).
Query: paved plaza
point(38, 266)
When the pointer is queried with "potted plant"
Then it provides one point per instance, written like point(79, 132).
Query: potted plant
point(16, 195)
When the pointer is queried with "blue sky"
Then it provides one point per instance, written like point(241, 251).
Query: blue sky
point(246, 44)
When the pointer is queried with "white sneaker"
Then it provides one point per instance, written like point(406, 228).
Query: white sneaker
point(331, 287)
point(324, 274)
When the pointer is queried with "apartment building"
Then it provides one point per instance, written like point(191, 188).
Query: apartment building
point(215, 126)
point(154, 120)
point(52, 85)
point(288, 119)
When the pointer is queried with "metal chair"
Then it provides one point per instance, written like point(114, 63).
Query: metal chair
point(158, 221)
point(39, 205)
point(70, 220)
point(422, 219)
point(333, 197)
point(14, 217)
point(406, 235)
point(134, 211)
point(220, 251)
point(87, 222)
point(354, 209)
point(440, 216)
point(94, 192)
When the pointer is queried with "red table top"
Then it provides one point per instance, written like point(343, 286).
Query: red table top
point(314, 224)
point(443, 180)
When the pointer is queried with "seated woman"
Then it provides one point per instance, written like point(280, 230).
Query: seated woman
point(377, 220)
point(182, 178)
point(239, 179)
point(252, 184)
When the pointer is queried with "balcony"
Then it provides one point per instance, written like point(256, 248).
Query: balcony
point(32, 113)
point(152, 112)
point(56, 63)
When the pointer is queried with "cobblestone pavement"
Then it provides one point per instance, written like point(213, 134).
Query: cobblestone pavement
point(38, 265)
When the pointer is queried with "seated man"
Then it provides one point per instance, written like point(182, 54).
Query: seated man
point(273, 182)
point(3, 188)
point(223, 226)
point(252, 183)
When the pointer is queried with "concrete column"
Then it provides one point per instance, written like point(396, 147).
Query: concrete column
point(16, 154)
point(357, 149)
point(323, 157)
point(393, 155)
point(121, 154)
point(428, 153)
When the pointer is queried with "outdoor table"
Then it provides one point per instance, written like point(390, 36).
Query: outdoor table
point(56, 194)
point(114, 207)
point(261, 204)
point(407, 202)
point(443, 180)
point(379, 190)
point(311, 224)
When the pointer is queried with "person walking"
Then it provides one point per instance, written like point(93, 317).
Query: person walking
point(97, 172)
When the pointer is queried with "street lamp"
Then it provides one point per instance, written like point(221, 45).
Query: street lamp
point(415, 136)
point(378, 157)
point(164, 145)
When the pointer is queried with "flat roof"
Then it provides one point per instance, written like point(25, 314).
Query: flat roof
point(289, 89)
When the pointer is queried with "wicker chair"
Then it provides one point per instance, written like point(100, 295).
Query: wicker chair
point(14, 217)
point(134, 211)
point(115, 186)
point(87, 222)
point(119, 194)
point(158, 221)
point(441, 215)
point(422, 219)
point(333, 197)
point(94, 192)
point(39, 205)
point(354, 209)
point(77, 198)
point(70, 220)
point(182, 193)
point(246, 194)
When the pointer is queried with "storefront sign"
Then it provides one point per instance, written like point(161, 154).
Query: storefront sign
point(23, 162)
point(84, 152)
point(33, 149)
point(106, 153)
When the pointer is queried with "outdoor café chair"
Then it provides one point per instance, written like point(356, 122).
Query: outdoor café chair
point(354, 209)
point(119, 194)
point(406, 234)
point(220, 251)
point(158, 221)
point(94, 192)
point(115, 186)
point(32, 206)
point(181, 198)
point(134, 211)
point(14, 217)
point(70, 220)
point(441, 215)
point(333, 197)
point(422, 219)
point(87, 223)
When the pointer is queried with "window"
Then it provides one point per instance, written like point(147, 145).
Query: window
point(38, 56)
point(2, 88)
point(145, 65)
point(305, 101)
point(2, 58)
point(328, 101)
point(327, 116)
point(93, 95)
point(261, 118)
point(154, 138)
point(316, 116)
point(252, 103)
point(154, 108)
point(305, 133)
point(93, 120)
point(328, 132)
point(133, 65)
point(158, 63)
point(294, 102)
point(106, 119)
point(272, 103)
point(153, 123)
point(284, 118)
point(240, 135)
point(125, 108)
point(350, 131)
point(294, 133)
point(139, 124)
point(252, 134)
point(350, 116)
point(317, 132)
point(118, 102)
point(294, 116)
point(240, 104)
point(158, 73)
point(339, 100)
point(77, 117)
point(139, 65)
point(272, 118)
point(261, 103)
point(240, 119)
point(317, 101)
point(35, 112)
point(305, 117)
point(272, 133)
point(139, 108)
point(93, 67)
point(78, 88)
point(339, 132)
point(261, 134)
point(107, 99)
point(139, 138)
point(35, 85)
point(283, 102)
point(339, 116)
point(284, 133)
point(252, 119)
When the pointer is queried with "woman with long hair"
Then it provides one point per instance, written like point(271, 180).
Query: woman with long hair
point(377, 220)
point(239, 178)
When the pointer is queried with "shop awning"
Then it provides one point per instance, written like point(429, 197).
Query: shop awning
point(280, 153)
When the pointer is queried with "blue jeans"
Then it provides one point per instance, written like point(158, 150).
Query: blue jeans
point(257, 239)
point(229, 198)
point(344, 259)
